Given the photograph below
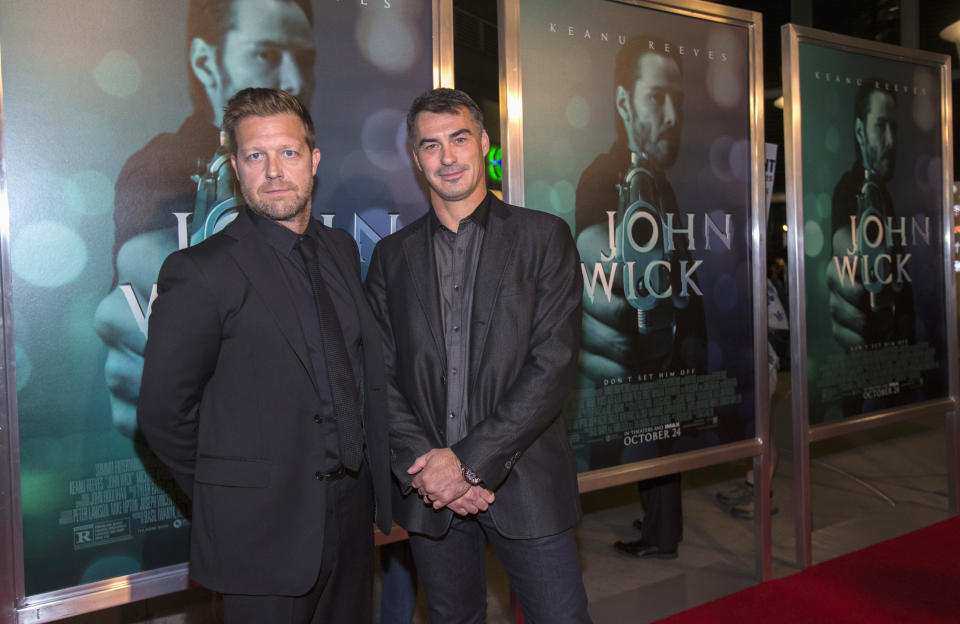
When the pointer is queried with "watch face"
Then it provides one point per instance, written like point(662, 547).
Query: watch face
point(471, 477)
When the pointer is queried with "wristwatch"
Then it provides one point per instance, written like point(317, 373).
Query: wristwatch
point(470, 476)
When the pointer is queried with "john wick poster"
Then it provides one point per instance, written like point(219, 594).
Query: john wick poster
point(873, 230)
point(113, 161)
point(637, 131)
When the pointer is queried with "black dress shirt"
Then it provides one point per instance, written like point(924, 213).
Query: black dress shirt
point(457, 255)
point(283, 240)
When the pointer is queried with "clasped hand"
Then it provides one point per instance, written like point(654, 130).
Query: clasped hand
point(439, 482)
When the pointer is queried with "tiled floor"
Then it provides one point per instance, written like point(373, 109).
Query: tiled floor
point(866, 488)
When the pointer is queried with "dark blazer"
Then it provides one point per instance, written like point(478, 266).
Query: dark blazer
point(524, 341)
point(228, 403)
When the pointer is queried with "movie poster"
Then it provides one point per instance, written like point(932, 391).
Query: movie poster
point(114, 160)
point(636, 131)
point(872, 179)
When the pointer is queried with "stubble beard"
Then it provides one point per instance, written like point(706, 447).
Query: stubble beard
point(881, 163)
point(279, 210)
point(663, 150)
point(468, 182)
point(664, 153)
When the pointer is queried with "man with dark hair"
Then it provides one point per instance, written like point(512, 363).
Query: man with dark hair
point(625, 336)
point(263, 389)
point(231, 44)
point(226, 48)
point(479, 309)
point(868, 312)
point(627, 70)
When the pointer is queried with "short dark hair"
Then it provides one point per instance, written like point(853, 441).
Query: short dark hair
point(442, 101)
point(861, 105)
point(211, 20)
point(626, 70)
point(262, 102)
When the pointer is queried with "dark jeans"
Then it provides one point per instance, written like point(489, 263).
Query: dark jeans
point(398, 597)
point(343, 592)
point(544, 573)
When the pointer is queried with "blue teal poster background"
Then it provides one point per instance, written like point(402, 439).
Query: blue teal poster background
point(899, 355)
point(86, 86)
point(689, 384)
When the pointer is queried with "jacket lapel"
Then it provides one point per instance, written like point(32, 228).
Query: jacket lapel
point(418, 252)
point(499, 242)
point(258, 262)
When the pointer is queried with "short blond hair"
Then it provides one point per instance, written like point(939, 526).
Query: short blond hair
point(263, 102)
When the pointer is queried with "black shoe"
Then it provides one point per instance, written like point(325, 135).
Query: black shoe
point(640, 550)
point(638, 525)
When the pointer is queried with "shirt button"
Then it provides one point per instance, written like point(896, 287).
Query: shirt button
point(316, 418)
point(456, 286)
point(453, 371)
point(318, 475)
point(443, 379)
point(452, 415)
point(456, 328)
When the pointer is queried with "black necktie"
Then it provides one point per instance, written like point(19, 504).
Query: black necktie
point(339, 370)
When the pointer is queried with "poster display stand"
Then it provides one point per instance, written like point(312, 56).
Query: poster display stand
point(641, 125)
point(110, 159)
point(872, 304)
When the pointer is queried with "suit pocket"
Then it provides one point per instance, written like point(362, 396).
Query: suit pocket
point(252, 473)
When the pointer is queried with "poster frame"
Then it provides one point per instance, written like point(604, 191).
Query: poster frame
point(15, 605)
point(12, 548)
point(758, 447)
point(803, 432)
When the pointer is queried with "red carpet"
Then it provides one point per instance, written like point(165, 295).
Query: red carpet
point(914, 578)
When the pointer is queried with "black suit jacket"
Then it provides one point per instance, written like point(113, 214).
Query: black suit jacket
point(524, 341)
point(228, 403)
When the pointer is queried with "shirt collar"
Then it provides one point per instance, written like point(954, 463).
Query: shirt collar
point(277, 236)
point(478, 216)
